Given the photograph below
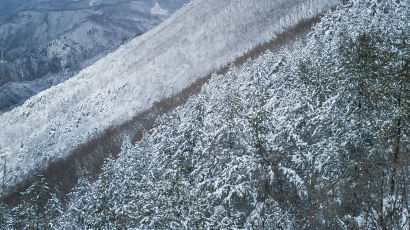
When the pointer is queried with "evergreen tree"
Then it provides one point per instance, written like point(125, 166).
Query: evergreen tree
point(5, 217)
point(77, 208)
point(53, 210)
point(31, 213)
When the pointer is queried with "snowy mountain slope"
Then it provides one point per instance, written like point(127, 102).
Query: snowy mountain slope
point(46, 42)
point(199, 38)
point(276, 143)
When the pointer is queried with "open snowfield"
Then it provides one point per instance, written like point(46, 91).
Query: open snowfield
point(198, 39)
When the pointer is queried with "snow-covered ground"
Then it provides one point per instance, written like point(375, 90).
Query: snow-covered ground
point(198, 39)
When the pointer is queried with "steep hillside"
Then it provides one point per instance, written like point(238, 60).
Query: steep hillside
point(92, 154)
point(198, 39)
point(315, 136)
point(46, 42)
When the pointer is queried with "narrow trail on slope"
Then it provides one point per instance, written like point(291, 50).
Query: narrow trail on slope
point(63, 174)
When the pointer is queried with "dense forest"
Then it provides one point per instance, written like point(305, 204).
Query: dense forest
point(315, 136)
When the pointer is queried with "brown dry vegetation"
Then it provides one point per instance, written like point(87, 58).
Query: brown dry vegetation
point(63, 174)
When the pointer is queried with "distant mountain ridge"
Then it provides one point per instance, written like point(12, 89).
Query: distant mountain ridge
point(45, 42)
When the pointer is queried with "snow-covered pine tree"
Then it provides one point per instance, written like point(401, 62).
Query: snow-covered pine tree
point(53, 210)
point(5, 217)
point(354, 63)
point(77, 208)
point(103, 215)
point(31, 212)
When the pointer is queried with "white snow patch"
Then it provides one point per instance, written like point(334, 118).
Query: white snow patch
point(93, 2)
point(157, 10)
